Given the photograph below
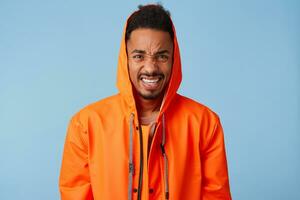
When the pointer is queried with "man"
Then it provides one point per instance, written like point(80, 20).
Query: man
point(147, 142)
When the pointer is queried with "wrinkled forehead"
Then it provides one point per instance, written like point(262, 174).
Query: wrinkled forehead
point(150, 41)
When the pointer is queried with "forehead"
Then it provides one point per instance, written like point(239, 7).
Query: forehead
point(149, 39)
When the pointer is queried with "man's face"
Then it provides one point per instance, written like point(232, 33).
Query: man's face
point(150, 59)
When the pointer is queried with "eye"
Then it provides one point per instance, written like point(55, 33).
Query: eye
point(138, 57)
point(162, 58)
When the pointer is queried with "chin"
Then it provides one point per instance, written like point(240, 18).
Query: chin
point(150, 96)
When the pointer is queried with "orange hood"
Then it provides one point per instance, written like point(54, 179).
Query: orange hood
point(124, 84)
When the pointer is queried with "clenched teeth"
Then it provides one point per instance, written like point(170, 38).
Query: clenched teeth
point(150, 80)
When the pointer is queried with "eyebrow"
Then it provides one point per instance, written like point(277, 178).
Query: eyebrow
point(138, 51)
point(144, 52)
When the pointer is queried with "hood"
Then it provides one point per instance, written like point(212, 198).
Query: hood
point(124, 84)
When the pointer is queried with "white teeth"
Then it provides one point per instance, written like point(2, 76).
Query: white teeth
point(150, 80)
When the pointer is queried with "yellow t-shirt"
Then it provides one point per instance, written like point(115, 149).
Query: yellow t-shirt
point(145, 134)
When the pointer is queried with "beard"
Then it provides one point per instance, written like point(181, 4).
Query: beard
point(150, 95)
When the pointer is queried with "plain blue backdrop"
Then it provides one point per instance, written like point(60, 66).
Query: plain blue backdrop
point(240, 58)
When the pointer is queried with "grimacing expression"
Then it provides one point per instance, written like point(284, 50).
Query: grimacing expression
point(150, 60)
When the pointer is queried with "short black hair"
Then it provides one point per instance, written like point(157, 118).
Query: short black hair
point(153, 16)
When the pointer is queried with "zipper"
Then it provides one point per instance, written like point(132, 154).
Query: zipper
point(141, 163)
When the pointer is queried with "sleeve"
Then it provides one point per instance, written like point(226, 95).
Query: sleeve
point(215, 185)
point(74, 180)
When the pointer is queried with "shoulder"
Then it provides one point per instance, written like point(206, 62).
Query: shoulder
point(190, 107)
point(197, 115)
point(99, 108)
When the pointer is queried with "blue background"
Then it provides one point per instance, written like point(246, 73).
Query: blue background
point(240, 58)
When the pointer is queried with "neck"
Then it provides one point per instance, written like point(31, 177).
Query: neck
point(148, 107)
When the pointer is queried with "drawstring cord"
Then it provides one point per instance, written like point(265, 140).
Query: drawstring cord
point(166, 166)
point(131, 165)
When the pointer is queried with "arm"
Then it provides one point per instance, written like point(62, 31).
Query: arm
point(74, 180)
point(215, 185)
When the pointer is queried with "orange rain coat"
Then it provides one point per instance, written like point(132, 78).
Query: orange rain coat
point(105, 153)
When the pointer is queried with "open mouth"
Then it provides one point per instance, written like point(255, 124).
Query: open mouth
point(151, 82)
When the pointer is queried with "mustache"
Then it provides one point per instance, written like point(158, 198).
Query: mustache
point(153, 74)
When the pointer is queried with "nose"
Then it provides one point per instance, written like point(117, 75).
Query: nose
point(150, 64)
